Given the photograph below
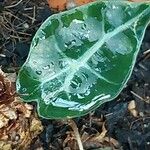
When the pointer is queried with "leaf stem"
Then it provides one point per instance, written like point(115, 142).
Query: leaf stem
point(76, 132)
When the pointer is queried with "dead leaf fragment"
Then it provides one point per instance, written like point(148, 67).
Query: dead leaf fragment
point(19, 123)
point(57, 4)
point(7, 89)
point(132, 108)
point(3, 121)
point(4, 146)
point(102, 134)
point(81, 2)
point(36, 125)
point(8, 112)
point(131, 105)
point(63, 4)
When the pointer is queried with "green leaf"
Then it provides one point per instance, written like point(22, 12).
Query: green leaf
point(82, 58)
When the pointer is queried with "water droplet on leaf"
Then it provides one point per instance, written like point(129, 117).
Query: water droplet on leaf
point(39, 72)
point(46, 67)
point(24, 90)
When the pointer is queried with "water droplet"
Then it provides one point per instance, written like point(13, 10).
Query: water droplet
point(87, 92)
point(35, 42)
point(114, 7)
point(80, 96)
point(70, 44)
point(46, 67)
point(83, 27)
point(24, 90)
point(34, 62)
point(129, 13)
point(66, 45)
point(109, 30)
point(73, 42)
point(52, 63)
point(39, 72)
point(43, 35)
point(18, 85)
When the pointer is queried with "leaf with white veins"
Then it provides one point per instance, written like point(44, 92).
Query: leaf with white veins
point(82, 58)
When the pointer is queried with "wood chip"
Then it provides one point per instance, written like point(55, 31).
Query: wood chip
point(132, 108)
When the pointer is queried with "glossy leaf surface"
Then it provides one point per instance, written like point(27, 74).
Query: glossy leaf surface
point(82, 58)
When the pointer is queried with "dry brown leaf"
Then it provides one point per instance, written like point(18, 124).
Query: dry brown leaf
point(101, 140)
point(7, 89)
point(4, 146)
point(81, 2)
point(63, 4)
point(57, 4)
point(102, 134)
point(19, 123)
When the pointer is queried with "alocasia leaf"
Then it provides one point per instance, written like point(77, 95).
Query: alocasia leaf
point(82, 58)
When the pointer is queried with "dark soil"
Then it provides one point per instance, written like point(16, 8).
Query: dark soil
point(18, 25)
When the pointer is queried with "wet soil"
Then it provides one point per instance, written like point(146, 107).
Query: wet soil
point(125, 130)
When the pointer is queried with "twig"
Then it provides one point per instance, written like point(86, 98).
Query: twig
point(137, 96)
point(24, 33)
point(29, 17)
point(16, 37)
point(2, 55)
point(21, 25)
point(141, 98)
point(9, 13)
point(33, 15)
point(139, 119)
point(76, 132)
point(31, 8)
point(146, 52)
point(11, 6)
point(143, 67)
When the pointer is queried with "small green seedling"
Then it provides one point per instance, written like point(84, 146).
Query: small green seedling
point(82, 58)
